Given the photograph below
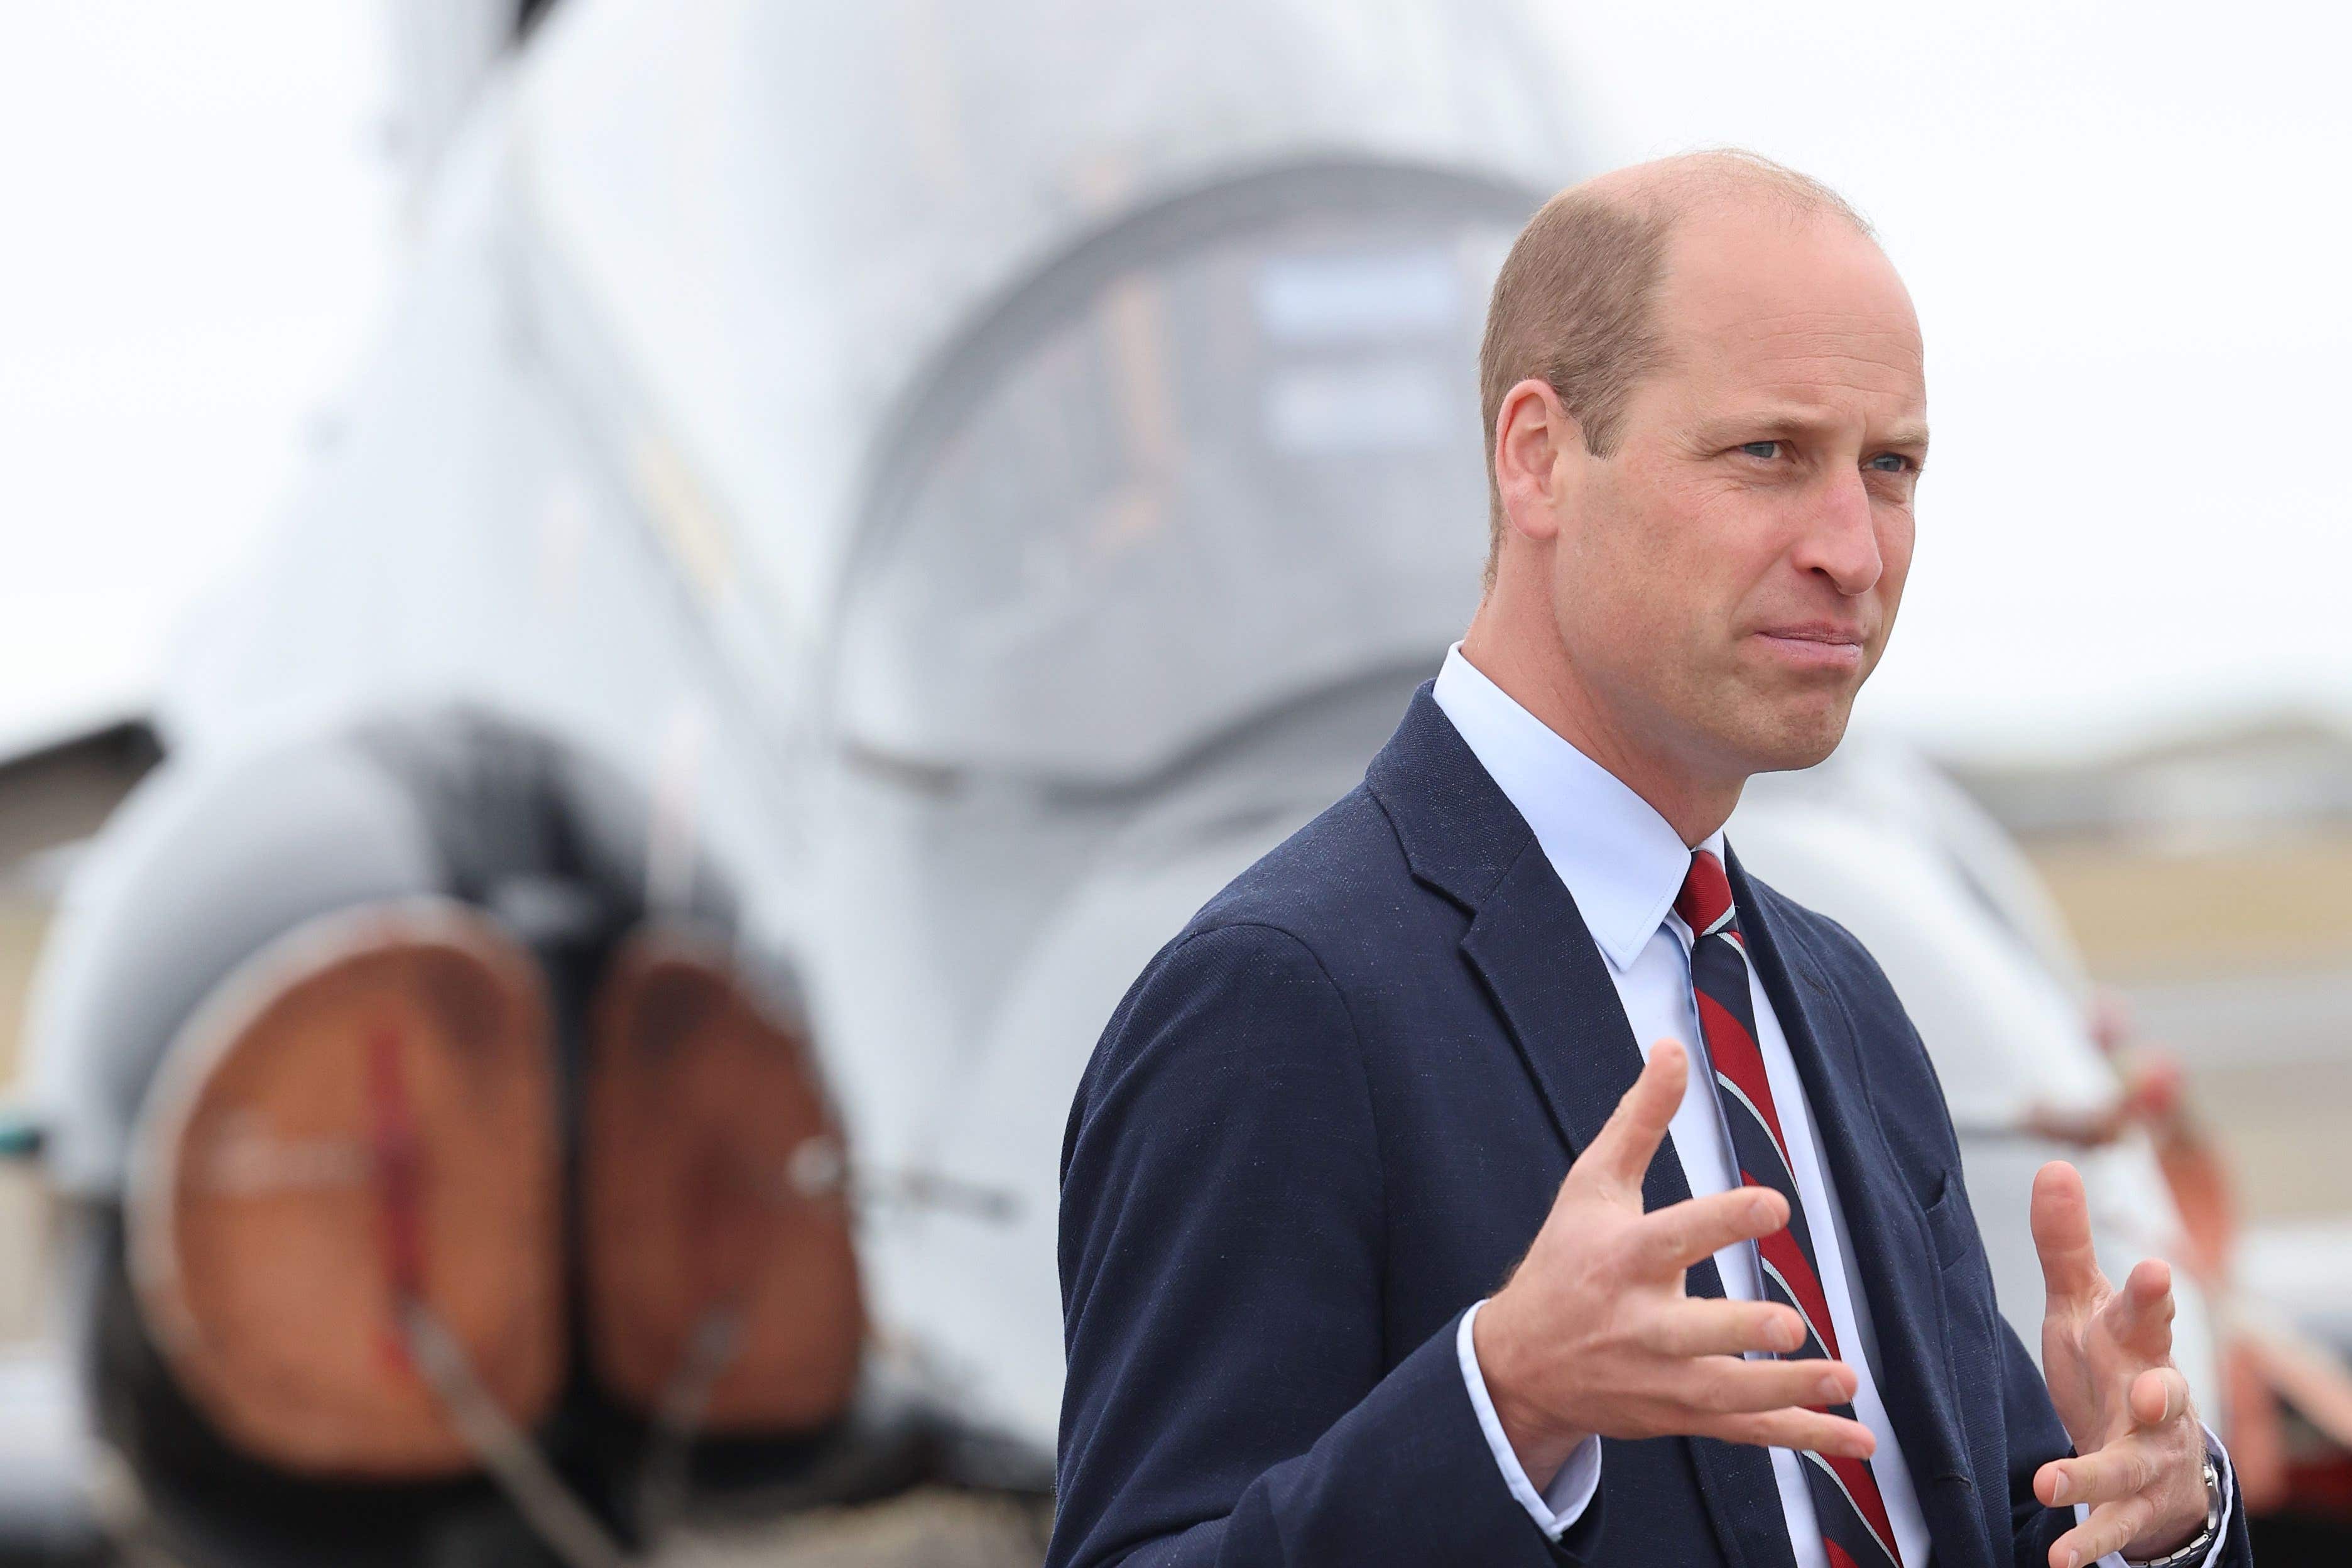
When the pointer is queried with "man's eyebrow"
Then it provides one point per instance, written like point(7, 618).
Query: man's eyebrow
point(1762, 424)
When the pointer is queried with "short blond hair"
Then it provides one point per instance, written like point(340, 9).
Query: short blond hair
point(1573, 304)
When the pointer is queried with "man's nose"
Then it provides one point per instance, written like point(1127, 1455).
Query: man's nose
point(1841, 537)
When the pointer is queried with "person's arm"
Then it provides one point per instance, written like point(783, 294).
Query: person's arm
point(1230, 1397)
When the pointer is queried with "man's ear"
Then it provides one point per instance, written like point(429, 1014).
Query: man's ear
point(1532, 434)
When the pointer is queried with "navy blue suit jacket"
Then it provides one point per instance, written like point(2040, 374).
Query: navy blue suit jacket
point(1333, 1112)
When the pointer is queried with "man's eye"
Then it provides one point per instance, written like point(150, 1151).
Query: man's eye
point(1766, 451)
point(1891, 463)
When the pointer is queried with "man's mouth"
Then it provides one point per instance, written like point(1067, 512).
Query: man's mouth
point(1814, 644)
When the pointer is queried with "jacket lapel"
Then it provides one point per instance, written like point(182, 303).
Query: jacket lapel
point(1892, 1253)
point(1530, 946)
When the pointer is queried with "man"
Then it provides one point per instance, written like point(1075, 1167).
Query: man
point(1334, 1293)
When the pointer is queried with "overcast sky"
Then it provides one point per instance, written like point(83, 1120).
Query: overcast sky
point(2125, 228)
point(198, 226)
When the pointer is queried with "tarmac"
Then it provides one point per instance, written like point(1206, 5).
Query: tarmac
point(928, 1529)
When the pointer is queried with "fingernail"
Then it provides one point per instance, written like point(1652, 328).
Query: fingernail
point(2058, 1493)
point(2073, 1557)
point(1832, 1389)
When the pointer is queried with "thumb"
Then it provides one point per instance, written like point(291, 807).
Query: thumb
point(1620, 1154)
point(2061, 1233)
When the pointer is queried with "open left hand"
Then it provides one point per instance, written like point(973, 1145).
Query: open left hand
point(2107, 1357)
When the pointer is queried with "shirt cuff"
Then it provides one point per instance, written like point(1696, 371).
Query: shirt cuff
point(2220, 1530)
point(1558, 1505)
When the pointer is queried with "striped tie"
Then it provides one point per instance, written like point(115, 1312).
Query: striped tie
point(1854, 1529)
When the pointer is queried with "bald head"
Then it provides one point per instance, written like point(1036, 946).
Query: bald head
point(1574, 303)
point(1719, 177)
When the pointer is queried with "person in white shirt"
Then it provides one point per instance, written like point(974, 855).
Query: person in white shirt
point(1752, 1323)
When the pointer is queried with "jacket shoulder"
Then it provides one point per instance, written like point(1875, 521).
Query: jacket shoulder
point(1318, 885)
point(1283, 953)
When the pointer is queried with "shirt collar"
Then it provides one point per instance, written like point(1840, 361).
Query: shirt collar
point(1620, 860)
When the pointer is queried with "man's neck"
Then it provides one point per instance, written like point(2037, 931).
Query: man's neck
point(1549, 689)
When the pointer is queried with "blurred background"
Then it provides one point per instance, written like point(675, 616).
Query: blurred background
point(621, 623)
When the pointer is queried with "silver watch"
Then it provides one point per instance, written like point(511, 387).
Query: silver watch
point(2195, 1552)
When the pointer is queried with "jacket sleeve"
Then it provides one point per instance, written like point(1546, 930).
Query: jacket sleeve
point(1231, 1397)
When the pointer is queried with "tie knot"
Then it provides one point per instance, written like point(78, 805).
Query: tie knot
point(1704, 901)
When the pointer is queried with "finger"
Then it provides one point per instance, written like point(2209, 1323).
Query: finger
point(1727, 1385)
point(2159, 1397)
point(2140, 1314)
point(2124, 1468)
point(2062, 1233)
point(1675, 1238)
point(1813, 1430)
point(1621, 1153)
point(1700, 1328)
point(2110, 1528)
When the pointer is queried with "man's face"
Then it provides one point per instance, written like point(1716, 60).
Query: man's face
point(1727, 578)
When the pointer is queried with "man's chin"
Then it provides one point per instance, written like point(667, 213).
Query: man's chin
point(1801, 738)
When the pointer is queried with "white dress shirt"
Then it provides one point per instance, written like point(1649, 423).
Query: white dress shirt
point(1624, 864)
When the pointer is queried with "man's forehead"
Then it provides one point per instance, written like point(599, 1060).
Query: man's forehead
point(1795, 313)
point(1766, 283)
point(1798, 357)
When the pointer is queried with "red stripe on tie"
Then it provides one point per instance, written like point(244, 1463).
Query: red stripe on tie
point(1782, 1251)
point(1863, 1487)
point(1735, 1054)
point(1706, 894)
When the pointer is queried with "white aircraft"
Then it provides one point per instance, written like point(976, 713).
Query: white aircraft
point(862, 519)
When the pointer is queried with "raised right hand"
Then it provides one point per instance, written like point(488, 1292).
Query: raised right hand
point(1594, 1333)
